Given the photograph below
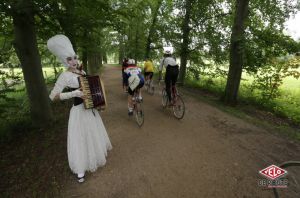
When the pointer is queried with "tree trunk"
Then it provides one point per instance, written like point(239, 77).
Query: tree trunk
point(184, 52)
point(236, 52)
point(121, 49)
point(84, 51)
point(26, 47)
point(136, 43)
point(120, 54)
point(66, 20)
point(84, 59)
point(152, 29)
point(104, 57)
point(94, 63)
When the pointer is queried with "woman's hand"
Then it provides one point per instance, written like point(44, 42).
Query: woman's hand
point(56, 97)
point(83, 97)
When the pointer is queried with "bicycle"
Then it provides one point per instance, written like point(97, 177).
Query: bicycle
point(138, 109)
point(178, 106)
point(285, 165)
point(149, 86)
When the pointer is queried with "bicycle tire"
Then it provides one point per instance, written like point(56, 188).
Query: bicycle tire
point(151, 90)
point(139, 114)
point(179, 108)
point(146, 87)
point(164, 99)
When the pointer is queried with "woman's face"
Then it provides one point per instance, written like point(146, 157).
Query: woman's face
point(72, 62)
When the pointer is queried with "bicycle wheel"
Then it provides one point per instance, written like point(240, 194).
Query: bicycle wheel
point(164, 100)
point(139, 114)
point(146, 86)
point(151, 90)
point(179, 108)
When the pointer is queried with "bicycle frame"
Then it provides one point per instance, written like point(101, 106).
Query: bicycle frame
point(149, 86)
point(137, 108)
point(177, 103)
point(174, 94)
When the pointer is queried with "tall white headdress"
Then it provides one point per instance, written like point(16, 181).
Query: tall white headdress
point(61, 47)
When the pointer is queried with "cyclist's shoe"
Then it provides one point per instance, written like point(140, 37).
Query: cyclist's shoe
point(130, 113)
point(140, 99)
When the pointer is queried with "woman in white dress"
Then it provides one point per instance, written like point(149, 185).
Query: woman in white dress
point(88, 141)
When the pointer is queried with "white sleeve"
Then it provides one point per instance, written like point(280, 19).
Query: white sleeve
point(59, 86)
point(72, 94)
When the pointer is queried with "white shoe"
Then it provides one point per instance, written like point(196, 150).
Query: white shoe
point(80, 178)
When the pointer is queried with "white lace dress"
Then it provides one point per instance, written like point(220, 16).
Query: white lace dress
point(88, 141)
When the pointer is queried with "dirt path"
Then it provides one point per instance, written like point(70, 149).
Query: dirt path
point(207, 154)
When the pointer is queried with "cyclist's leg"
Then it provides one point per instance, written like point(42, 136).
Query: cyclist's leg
point(168, 81)
point(140, 90)
point(146, 74)
point(123, 79)
point(174, 76)
point(150, 78)
point(130, 103)
point(125, 82)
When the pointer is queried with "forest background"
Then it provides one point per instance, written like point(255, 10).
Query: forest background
point(239, 51)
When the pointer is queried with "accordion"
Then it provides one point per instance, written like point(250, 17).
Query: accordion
point(93, 89)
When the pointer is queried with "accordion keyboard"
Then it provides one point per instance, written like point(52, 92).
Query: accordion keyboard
point(92, 89)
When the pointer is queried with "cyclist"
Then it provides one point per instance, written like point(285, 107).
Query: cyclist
point(172, 71)
point(148, 70)
point(135, 81)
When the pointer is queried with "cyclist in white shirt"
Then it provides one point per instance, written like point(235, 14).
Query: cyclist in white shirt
point(172, 71)
point(135, 81)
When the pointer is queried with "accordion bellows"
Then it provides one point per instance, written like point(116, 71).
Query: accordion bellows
point(93, 89)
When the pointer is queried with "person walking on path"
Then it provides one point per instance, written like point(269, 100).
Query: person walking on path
point(88, 141)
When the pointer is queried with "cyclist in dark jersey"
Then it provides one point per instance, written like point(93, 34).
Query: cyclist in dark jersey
point(172, 71)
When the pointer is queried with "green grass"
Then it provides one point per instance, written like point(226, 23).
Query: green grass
point(49, 71)
point(286, 105)
point(245, 110)
point(290, 83)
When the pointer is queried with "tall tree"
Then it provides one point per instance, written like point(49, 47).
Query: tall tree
point(66, 16)
point(26, 47)
point(155, 11)
point(236, 52)
point(184, 51)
